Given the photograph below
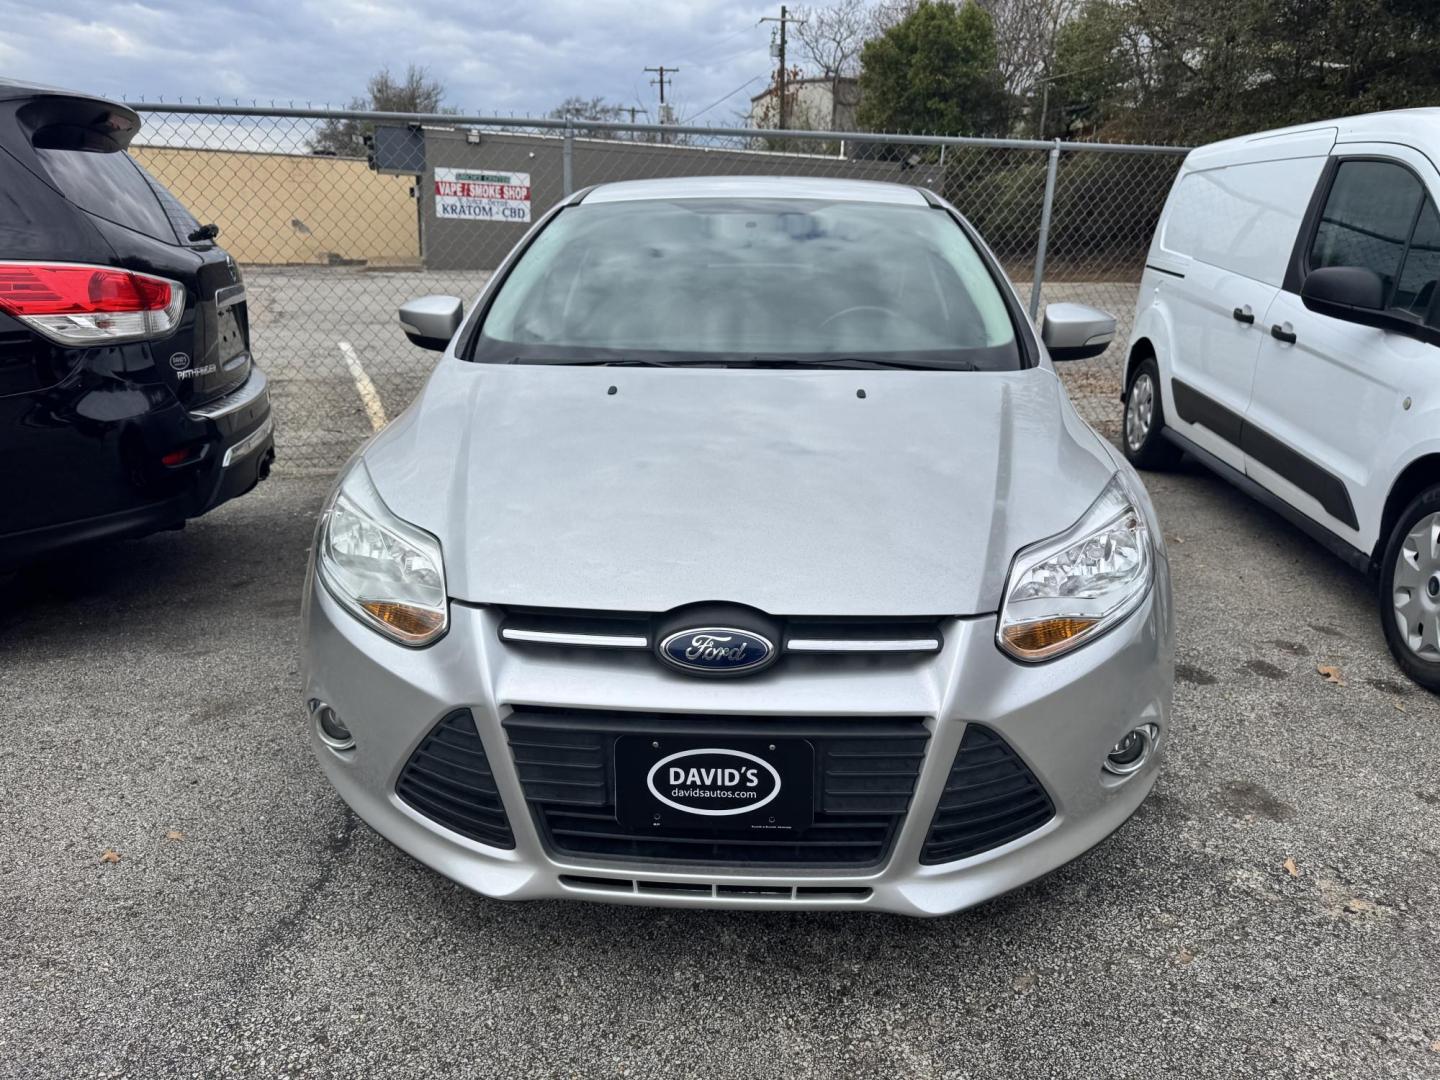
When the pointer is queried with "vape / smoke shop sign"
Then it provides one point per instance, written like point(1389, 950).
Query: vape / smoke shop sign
point(482, 195)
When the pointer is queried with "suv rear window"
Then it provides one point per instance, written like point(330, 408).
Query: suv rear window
point(110, 186)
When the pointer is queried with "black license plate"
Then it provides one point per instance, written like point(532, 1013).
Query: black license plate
point(714, 783)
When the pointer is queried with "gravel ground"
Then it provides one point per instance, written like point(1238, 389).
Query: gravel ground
point(1271, 911)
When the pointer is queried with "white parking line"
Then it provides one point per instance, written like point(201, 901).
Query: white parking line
point(369, 396)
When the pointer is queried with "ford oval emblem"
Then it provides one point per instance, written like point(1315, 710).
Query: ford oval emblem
point(713, 782)
point(716, 650)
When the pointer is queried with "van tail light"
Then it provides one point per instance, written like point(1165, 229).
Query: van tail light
point(90, 305)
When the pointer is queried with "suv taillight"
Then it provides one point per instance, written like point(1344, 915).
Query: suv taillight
point(90, 305)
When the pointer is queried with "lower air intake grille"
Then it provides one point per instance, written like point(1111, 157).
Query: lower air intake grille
point(865, 772)
point(448, 779)
point(990, 798)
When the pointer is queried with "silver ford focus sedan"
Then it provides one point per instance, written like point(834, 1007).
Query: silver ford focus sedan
point(743, 550)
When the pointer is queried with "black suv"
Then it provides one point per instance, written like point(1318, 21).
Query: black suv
point(128, 399)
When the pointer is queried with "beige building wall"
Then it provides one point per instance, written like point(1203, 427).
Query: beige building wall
point(292, 208)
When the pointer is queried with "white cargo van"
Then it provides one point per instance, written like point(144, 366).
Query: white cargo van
point(1287, 334)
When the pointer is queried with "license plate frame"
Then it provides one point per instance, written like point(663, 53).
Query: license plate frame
point(647, 800)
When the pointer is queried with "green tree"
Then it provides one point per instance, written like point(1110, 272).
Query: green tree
point(934, 71)
point(1176, 71)
point(415, 92)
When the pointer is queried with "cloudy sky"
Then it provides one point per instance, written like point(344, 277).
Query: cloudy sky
point(494, 56)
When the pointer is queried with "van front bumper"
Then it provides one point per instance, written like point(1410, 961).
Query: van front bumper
point(1061, 718)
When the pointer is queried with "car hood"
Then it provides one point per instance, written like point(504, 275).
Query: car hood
point(867, 493)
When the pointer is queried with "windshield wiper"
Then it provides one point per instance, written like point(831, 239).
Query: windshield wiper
point(596, 361)
point(857, 363)
point(860, 363)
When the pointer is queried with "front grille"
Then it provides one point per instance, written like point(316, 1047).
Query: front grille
point(448, 779)
point(991, 797)
point(552, 627)
point(865, 773)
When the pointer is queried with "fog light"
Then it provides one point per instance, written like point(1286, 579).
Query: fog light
point(1131, 752)
point(332, 729)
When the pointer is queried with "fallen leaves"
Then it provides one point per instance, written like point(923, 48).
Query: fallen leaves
point(1331, 674)
point(110, 856)
point(1291, 868)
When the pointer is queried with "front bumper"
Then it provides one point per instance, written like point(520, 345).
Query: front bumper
point(1060, 717)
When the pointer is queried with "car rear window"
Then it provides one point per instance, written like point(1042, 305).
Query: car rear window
point(112, 186)
point(779, 278)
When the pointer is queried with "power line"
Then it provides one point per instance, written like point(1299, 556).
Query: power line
point(716, 46)
point(724, 99)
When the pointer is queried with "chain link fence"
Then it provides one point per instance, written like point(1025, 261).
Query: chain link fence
point(331, 245)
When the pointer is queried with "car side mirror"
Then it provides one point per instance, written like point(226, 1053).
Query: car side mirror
point(1352, 293)
point(431, 321)
point(1076, 331)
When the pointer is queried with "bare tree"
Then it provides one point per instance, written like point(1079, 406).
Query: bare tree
point(1025, 33)
point(887, 13)
point(414, 92)
point(829, 39)
point(595, 108)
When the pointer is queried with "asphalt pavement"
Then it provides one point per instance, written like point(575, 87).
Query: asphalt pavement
point(182, 895)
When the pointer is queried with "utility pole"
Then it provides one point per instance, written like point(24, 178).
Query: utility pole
point(784, 20)
point(660, 81)
point(1045, 95)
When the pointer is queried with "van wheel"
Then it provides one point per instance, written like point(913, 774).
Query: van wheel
point(1144, 445)
point(1410, 590)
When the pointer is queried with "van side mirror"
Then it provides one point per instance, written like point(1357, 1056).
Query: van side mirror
point(431, 321)
point(1076, 331)
point(1352, 293)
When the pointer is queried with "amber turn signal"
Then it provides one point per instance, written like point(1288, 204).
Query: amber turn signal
point(1045, 637)
point(411, 623)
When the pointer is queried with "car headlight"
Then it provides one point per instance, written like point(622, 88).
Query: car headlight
point(1071, 588)
point(386, 572)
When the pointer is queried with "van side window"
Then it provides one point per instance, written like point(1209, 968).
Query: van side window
point(1367, 219)
point(1241, 218)
point(1420, 275)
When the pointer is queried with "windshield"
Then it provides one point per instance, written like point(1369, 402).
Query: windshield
point(782, 282)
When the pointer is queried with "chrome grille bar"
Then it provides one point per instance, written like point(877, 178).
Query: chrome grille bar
point(593, 641)
point(843, 645)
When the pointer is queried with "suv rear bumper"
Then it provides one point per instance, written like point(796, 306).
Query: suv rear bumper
point(233, 446)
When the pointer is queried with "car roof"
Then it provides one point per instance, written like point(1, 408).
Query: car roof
point(757, 187)
point(1418, 127)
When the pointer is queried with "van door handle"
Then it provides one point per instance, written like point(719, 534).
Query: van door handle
point(1279, 333)
point(1243, 314)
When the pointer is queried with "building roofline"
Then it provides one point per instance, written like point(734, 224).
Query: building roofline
point(828, 79)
